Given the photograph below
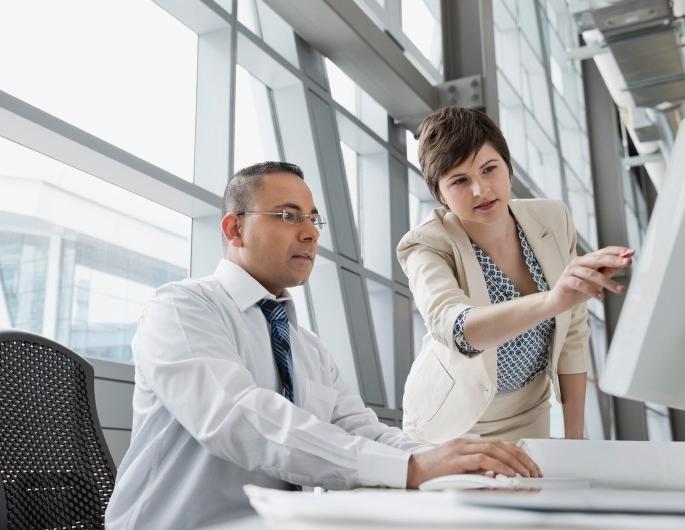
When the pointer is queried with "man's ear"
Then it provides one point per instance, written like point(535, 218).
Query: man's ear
point(230, 227)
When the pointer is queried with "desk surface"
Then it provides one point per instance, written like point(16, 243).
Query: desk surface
point(399, 510)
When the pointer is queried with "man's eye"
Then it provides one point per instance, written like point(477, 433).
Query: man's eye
point(289, 216)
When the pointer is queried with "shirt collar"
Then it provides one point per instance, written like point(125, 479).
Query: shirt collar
point(246, 291)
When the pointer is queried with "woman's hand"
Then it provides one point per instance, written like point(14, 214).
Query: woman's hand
point(588, 275)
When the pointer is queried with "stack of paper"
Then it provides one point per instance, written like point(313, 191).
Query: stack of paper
point(612, 463)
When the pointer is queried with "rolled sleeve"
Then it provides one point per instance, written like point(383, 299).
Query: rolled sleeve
point(433, 283)
point(459, 339)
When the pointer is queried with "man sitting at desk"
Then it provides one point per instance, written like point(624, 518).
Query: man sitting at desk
point(229, 390)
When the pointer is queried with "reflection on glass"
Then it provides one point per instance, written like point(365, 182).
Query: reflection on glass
point(380, 298)
point(80, 257)
point(331, 321)
point(137, 92)
point(255, 137)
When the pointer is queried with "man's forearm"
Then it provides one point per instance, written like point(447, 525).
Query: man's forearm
point(573, 388)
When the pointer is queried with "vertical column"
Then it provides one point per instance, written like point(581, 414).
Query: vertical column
point(605, 154)
point(468, 31)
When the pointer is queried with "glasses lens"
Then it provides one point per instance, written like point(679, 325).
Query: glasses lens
point(290, 217)
point(317, 220)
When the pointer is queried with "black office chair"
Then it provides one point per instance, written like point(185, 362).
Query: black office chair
point(55, 468)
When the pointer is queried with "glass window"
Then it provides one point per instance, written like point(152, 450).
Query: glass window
point(23, 275)
point(381, 301)
point(255, 136)
point(356, 101)
point(543, 158)
point(421, 202)
point(80, 257)
point(421, 24)
point(582, 208)
point(299, 295)
point(328, 309)
point(369, 191)
point(350, 161)
point(270, 27)
point(123, 71)
point(413, 149)
point(658, 423)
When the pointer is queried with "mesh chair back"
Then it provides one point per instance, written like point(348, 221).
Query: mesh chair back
point(55, 466)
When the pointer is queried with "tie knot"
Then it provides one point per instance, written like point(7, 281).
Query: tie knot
point(273, 310)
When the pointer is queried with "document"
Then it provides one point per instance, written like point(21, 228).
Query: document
point(612, 463)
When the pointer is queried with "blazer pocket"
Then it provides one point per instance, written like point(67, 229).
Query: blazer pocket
point(320, 400)
point(427, 391)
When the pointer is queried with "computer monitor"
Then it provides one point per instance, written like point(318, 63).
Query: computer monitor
point(646, 360)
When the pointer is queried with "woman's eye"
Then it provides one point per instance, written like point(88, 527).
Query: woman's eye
point(457, 182)
point(489, 169)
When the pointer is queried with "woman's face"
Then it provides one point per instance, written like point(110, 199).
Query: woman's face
point(478, 189)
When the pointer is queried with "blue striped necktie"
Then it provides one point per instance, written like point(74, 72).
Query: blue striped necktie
point(280, 342)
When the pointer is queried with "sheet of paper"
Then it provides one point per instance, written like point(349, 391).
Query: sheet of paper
point(400, 509)
point(612, 463)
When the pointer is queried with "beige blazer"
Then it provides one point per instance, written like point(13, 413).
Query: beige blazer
point(447, 392)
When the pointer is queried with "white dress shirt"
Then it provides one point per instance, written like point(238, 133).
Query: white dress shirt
point(208, 416)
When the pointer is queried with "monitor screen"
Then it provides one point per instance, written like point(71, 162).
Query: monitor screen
point(646, 359)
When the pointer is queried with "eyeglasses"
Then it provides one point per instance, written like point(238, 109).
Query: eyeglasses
point(292, 218)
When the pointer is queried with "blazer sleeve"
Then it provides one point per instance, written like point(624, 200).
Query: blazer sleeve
point(575, 352)
point(433, 283)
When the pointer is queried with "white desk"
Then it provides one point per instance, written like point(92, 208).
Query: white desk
point(401, 510)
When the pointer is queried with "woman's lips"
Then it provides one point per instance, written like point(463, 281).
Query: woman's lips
point(486, 206)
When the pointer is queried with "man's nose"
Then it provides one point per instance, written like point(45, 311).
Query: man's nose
point(308, 231)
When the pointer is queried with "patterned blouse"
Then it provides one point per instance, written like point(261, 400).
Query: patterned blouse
point(522, 358)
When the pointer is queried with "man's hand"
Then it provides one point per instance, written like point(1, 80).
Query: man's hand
point(470, 456)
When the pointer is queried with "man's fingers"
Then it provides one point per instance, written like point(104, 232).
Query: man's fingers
point(481, 462)
point(511, 456)
point(519, 453)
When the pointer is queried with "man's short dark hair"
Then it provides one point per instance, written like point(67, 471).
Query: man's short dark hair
point(240, 191)
point(451, 135)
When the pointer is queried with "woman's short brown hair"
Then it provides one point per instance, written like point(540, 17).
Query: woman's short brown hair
point(451, 135)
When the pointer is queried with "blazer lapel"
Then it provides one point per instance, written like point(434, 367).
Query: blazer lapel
point(474, 282)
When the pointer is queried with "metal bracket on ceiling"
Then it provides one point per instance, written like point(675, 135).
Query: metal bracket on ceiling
point(465, 92)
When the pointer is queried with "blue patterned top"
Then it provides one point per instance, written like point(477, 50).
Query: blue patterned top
point(522, 358)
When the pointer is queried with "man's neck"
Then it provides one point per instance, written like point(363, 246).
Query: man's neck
point(278, 292)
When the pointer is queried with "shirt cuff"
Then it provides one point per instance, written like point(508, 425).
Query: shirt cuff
point(460, 342)
point(382, 465)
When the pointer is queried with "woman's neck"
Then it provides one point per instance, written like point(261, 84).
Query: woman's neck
point(493, 237)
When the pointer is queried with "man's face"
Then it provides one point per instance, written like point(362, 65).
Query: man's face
point(275, 253)
point(478, 190)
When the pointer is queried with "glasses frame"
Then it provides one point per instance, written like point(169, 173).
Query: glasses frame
point(298, 218)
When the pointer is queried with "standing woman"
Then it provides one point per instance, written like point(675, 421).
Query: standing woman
point(501, 291)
